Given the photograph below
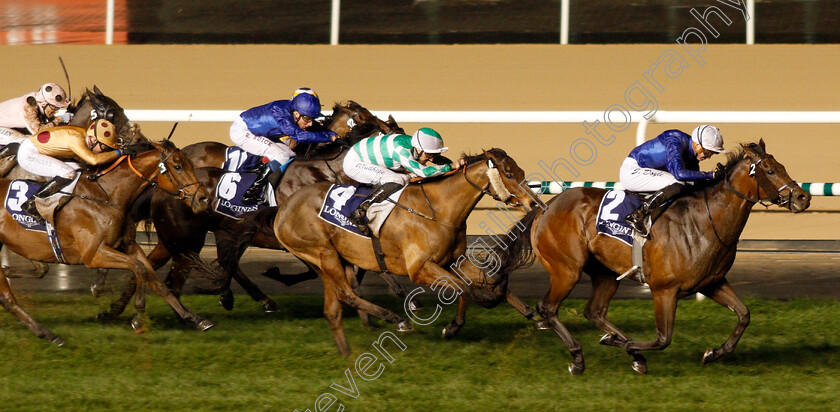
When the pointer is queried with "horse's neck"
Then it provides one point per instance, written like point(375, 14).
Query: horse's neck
point(730, 211)
point(121, 184)
point(454, 198)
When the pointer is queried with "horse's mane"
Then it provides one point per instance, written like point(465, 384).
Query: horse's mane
point(732, 159)
point(470, 159)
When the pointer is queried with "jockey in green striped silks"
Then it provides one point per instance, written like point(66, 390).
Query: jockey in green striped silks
point(390, 161)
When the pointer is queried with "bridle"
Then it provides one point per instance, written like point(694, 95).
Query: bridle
point(162, 169)
point(492, 174)
point(761, 182)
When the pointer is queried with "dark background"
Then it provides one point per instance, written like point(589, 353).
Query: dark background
point(466, 21)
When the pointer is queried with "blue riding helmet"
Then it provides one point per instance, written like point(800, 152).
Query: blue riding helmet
point(307, 105)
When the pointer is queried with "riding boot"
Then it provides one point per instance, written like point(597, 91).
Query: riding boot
point(253, 195)
point(357, 217)
point(653, 206)
point(50, 188)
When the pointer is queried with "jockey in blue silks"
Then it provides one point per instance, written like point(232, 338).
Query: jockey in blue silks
point(269, 131)
point(663, 165)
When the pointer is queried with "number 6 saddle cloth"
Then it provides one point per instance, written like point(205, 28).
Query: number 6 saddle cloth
point(615, 206)
point(341, 200)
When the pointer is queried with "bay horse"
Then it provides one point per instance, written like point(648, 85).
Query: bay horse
point(690, 250)
point(93, 229)
point(419, 245)
point(181, 233)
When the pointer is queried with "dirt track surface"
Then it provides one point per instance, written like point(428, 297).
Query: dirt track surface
point(759, 274)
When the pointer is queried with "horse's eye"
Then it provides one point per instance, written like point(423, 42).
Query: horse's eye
point(178, 168)
point(771, 172)
point(509, 175)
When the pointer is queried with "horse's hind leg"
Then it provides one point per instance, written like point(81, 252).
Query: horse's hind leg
point(413, 304)
point(10, 303)
point(604, 286)
point(726, 296)
point(459, 320)
point(332, 311)
point(118, 307)
point(564, 277)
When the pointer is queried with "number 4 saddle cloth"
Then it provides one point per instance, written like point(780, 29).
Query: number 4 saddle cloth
point(341, 200)
point(615, 206)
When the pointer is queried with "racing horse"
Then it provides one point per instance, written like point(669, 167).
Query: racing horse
point(418, 240)
point(181, 232)
point(93, 229)
point(690, 250)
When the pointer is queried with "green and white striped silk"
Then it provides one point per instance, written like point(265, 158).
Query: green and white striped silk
point(393, 151)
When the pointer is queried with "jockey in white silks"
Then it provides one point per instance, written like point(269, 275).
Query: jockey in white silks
point(379, 161)
point(33, 112)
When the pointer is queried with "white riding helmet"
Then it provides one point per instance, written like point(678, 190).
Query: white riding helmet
point(53, 94)
point(428, 140)
point(304, 90)
point(709, 138)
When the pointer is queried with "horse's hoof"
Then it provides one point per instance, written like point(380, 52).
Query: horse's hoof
point(138, 325)
point(270, 307)
point(450, 331)
point(57, 341)
point(543, 325)
point(575, 369)
point(94, 290)
point(204, 324)
point(640, 367)
point(404, 326)
point(226, 300)
point(709, 356)
point(414, 305)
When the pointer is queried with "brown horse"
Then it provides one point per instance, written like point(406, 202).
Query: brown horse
point(93, 229)
point(416, 244)
point(690, 250)
point(181, 232)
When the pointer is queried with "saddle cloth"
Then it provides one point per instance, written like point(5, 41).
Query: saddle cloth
point(238, 160)
point(341, 200)
point(21, 190)
point(615, 205)
point(229, 192)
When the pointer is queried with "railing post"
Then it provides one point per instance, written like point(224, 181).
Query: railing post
point(336, 9)
point(564, 21)
point(109, 23)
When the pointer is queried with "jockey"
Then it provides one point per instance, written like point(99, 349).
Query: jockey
point(44, 154)
point(33, 112)
point(663, 165)
point(261, 130)
point(375, 160)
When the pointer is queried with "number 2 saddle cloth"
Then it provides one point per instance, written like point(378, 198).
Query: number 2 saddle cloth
point(615, 205)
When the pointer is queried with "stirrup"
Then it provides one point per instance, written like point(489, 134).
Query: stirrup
point(357, 217)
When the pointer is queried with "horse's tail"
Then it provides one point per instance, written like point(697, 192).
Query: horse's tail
point(234, 236)
point(517, 254)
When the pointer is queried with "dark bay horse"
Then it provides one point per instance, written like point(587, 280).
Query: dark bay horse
point(690, 250)
point(92, 226)
point(181, 232)
point(414, 245)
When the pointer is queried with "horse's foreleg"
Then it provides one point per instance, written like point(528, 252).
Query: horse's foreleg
point(460, 319)
point(354, 277)
point(604, 286)
point(254, 291)
point(159, 256)
point(564, 276)
point(413, 304)
point(726, 296)
point(10, 303)
point(117, 307)
point(665, 309)
point(522, 307)
point(332, 311)
point(334, 272)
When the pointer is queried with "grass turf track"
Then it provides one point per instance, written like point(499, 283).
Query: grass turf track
point(788, 359)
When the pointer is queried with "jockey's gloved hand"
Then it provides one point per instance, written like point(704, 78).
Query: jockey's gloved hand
point(129, 151)
point(66, 117)
point(719, 172)
point(341, 142)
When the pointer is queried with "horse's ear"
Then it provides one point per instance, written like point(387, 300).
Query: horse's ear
point(97, 91)
point(761, 143)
